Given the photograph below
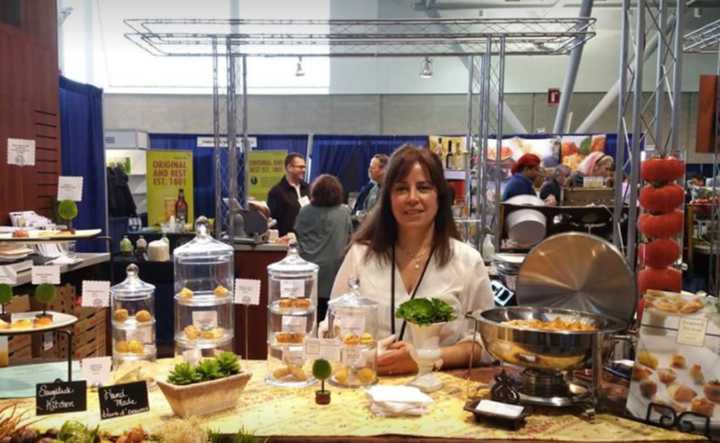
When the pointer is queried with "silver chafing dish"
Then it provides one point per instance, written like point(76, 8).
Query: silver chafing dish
point(548, 358)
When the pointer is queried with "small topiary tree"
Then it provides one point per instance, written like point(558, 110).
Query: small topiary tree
point(6, 295)
point(322, 370)
point(45, 293)
point(67, 210)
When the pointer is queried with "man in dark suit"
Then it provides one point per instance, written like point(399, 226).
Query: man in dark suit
point(370, 193)
point(287, 197)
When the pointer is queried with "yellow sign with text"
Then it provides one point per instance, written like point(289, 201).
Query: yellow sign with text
point(266, 169)
point(168, 172)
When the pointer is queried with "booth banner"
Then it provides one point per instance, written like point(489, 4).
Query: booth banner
point(167, 173)
point(576, 147)
point(266, 169)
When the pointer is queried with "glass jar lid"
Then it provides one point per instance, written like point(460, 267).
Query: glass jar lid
point(353, 301)
point(203, 244)
point(132, 286)
point(293, 265)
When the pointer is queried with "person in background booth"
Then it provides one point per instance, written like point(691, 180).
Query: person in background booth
point(596, 164)
point(323, 230)
point(369, 193)
point(551, 191)
point(525, 171)
point(408, 248)
point(287, 197)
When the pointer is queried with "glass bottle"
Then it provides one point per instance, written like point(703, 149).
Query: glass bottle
point(181, 208)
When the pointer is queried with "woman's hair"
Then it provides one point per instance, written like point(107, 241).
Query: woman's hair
point(326, 190)
point(587, 166)
point(380, 230)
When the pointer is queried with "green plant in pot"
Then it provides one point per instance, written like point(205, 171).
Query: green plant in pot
point(45, 293)
point(322, 370)
point(426, 318)
point(68, 210)
point(6, 295)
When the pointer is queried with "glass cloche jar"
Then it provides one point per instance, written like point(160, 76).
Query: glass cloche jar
point(204, 314)
point(133, 323)
point(353, 321)
point(292, 311)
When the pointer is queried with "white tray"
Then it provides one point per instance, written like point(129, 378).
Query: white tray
point(60, 320)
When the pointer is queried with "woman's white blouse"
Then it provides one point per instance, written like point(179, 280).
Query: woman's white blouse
point(463, 283)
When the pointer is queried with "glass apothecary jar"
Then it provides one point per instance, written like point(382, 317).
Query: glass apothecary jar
point(133, 319)
point(292, 311)
point(204, 314)
point(353, 322)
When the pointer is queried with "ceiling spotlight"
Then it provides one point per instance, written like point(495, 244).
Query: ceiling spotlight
point(299, 71)
point(427, 71)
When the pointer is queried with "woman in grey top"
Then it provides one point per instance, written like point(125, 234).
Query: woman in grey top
point(323, 230)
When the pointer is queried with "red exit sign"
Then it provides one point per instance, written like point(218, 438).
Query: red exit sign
point(553, 96)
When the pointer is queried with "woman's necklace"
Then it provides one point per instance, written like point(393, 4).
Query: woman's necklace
point(418, 258)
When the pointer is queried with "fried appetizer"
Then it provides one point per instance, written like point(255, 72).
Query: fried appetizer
point(666, 375)
point(647, 359)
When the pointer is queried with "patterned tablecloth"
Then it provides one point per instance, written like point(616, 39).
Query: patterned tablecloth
point(272, 411)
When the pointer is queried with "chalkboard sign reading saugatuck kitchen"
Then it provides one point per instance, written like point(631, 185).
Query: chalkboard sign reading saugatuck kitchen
point(124, 399)
point(59, 397)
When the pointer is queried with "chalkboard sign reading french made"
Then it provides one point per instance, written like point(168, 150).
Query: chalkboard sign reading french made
point(59, 397)
point(124, 399)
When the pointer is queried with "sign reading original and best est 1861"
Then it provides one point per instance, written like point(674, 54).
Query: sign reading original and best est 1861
point(167, 173)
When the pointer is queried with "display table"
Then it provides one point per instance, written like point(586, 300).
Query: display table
point(84, 260)
point(282, 412)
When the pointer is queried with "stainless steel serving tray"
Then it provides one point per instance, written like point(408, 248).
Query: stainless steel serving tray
point(578, 271)
point(545, 350)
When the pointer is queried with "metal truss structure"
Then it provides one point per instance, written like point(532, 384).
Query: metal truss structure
point(706, 40)
point(646, 120)
point(485, 42)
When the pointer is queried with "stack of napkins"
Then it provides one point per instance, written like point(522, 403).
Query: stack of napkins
point(393, 401)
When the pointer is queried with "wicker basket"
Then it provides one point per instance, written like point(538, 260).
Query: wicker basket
point(206, 397)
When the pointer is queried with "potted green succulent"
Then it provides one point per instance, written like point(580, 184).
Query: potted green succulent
point(213, 385)
point(426, 318)
point(45, 293)
point(322, 370)
point(68, 210)
point(6, 295)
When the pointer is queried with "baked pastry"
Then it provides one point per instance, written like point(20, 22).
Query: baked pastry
point(640, 373)
point(666, 375)
point(678, 361)
point(24, 323)
point(712, 390)
point(647, 359)
point(20, 233)
point(143, 316)
point(696, 374)
point(366, 375)
point(212, 334)
point(135, 347)
point(680, 392)
point(702, 406)
point(191, 332)
point(648, 388)
point(121, 346)
point(42, 321)
point(289, 337)
point(691, 307)
point(220, 291)
point(120, 315)
point(185, 293)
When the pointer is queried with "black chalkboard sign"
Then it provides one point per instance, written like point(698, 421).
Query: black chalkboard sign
point(59, 397)
point(124, 399)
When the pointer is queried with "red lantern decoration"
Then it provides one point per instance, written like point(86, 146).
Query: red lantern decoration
point(661, 199)
point(659, 253)
point(662, 169)
point(666, 279)
point(661, 226)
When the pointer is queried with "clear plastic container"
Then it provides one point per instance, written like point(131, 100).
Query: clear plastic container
point(292, 313)
point(133, 319)
point(353, 322)
point(204, 312)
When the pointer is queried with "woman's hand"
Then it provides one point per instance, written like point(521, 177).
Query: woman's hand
point(397, 360)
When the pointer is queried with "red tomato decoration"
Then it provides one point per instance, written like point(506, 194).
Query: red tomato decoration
point(662, 169)
point(666, 279)
point(661, 226)
point(659, 253)
point(661, 199)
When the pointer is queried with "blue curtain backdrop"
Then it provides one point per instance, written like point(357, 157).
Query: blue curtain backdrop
point(348, 156)
point(83, 154)
point(204, 169)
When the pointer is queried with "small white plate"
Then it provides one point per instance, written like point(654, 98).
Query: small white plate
point(60, 320)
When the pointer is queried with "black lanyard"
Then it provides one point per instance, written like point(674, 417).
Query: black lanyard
point(412, 296)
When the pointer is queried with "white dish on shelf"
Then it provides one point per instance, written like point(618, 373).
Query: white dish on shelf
point(60, 320)
point(54, 235)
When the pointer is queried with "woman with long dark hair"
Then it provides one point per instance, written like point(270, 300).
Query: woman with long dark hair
point(409, 247)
